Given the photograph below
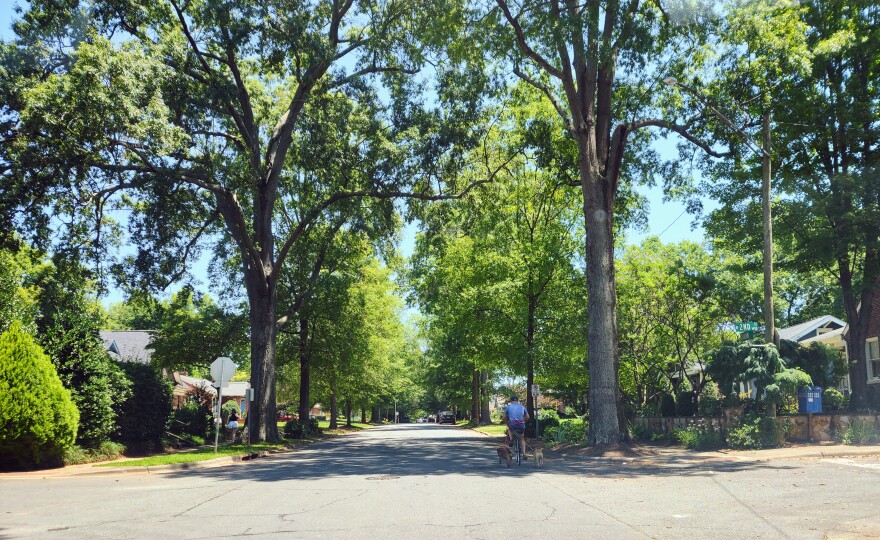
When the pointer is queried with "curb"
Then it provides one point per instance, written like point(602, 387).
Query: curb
point(92, 470)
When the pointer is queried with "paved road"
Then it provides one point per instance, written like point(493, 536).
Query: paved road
point(427, 481)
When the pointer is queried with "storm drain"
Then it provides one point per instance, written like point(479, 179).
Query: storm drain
point(386, 477)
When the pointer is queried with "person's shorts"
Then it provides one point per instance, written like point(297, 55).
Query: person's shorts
point(518, 428)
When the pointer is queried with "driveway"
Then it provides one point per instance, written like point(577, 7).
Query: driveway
point(429, 481)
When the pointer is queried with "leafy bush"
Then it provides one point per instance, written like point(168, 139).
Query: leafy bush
point(858, 432)
point(572, 430)
point(639, 432)
point(294, 429)
point(709, 403)
point(107, 451)
point(833, 400)
point(38, 419)
point(756, 432)
point(547, 418)
point(697, 437)
point(191, 419)
point(143, 417)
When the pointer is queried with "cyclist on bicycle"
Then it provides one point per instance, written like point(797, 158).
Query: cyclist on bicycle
point(515, 415)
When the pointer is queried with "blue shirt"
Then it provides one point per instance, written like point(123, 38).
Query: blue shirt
point(515, 412)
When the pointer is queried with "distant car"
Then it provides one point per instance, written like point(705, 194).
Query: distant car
point(284, 416)
point(432, 418)
point(446, 417)
point(404, 419)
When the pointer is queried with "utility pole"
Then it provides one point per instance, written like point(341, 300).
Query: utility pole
point(769, 319)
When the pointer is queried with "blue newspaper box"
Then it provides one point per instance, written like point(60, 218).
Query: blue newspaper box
point(810, 399)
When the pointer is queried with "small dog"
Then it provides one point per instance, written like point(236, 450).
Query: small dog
point(539, 457)
point(505, 454)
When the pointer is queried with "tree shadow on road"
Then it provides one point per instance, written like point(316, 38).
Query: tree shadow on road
point(459, 453)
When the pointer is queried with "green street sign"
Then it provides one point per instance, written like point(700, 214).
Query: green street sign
point(745, 326)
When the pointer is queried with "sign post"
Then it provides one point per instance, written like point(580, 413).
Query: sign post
point(535, 390)
point(222, 370)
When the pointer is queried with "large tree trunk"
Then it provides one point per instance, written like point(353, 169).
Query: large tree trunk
point(604, 400)
point(347, 412)
point(334, 411)
point(304, 373)
point(475, 396)
point(376, 416)
point(858, 317)
point(530, 353)
point(485, 415)
point(261, 418)
point(363, 414)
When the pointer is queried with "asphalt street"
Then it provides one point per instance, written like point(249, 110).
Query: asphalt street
point(428, 481)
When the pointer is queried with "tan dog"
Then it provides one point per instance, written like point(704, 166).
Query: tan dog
point(505, 454)
point(539, 457)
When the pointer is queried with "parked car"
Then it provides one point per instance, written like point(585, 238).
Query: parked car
point(284, 416)
point(446, 417)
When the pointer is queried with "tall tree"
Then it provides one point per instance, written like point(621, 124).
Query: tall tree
point(189, 116)
point(827, 131)
point(589, 60)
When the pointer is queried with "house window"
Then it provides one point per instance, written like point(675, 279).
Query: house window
point(872, 351)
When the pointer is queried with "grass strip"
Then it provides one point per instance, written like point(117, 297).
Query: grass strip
point(492, 429)
point(201, 454)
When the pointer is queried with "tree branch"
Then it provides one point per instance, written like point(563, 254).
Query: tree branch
point(523, 45)
point(681, 130)
point(550, 95)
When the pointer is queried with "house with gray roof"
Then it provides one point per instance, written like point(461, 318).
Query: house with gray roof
point(128, 345)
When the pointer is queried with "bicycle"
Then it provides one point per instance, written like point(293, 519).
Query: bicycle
point(517, 453)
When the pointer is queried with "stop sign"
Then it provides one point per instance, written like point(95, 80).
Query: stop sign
point(222, 369)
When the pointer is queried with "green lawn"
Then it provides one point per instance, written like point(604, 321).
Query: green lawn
point(325, 424)
point(461, 423)
point(492, 429)
point(202, 454)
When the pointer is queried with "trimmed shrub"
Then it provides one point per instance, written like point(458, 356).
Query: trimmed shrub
point(142, 417)
point(709, 403)
point(38, 419)
point(667, 405)
point(686, 403)
point(833, 400)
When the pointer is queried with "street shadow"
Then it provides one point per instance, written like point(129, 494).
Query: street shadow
point(381, 454)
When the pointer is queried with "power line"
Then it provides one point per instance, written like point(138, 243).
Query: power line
point(683, 212)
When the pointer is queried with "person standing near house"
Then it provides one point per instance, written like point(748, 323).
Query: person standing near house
point(232, 426)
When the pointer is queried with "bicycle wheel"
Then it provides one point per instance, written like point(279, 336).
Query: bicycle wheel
point(517, 451)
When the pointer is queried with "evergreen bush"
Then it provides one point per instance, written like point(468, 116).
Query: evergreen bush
point(667, 405)
point(143, 417)
point(68, 330)
point(38, 419)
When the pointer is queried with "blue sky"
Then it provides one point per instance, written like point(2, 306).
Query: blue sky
point(666, 218)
